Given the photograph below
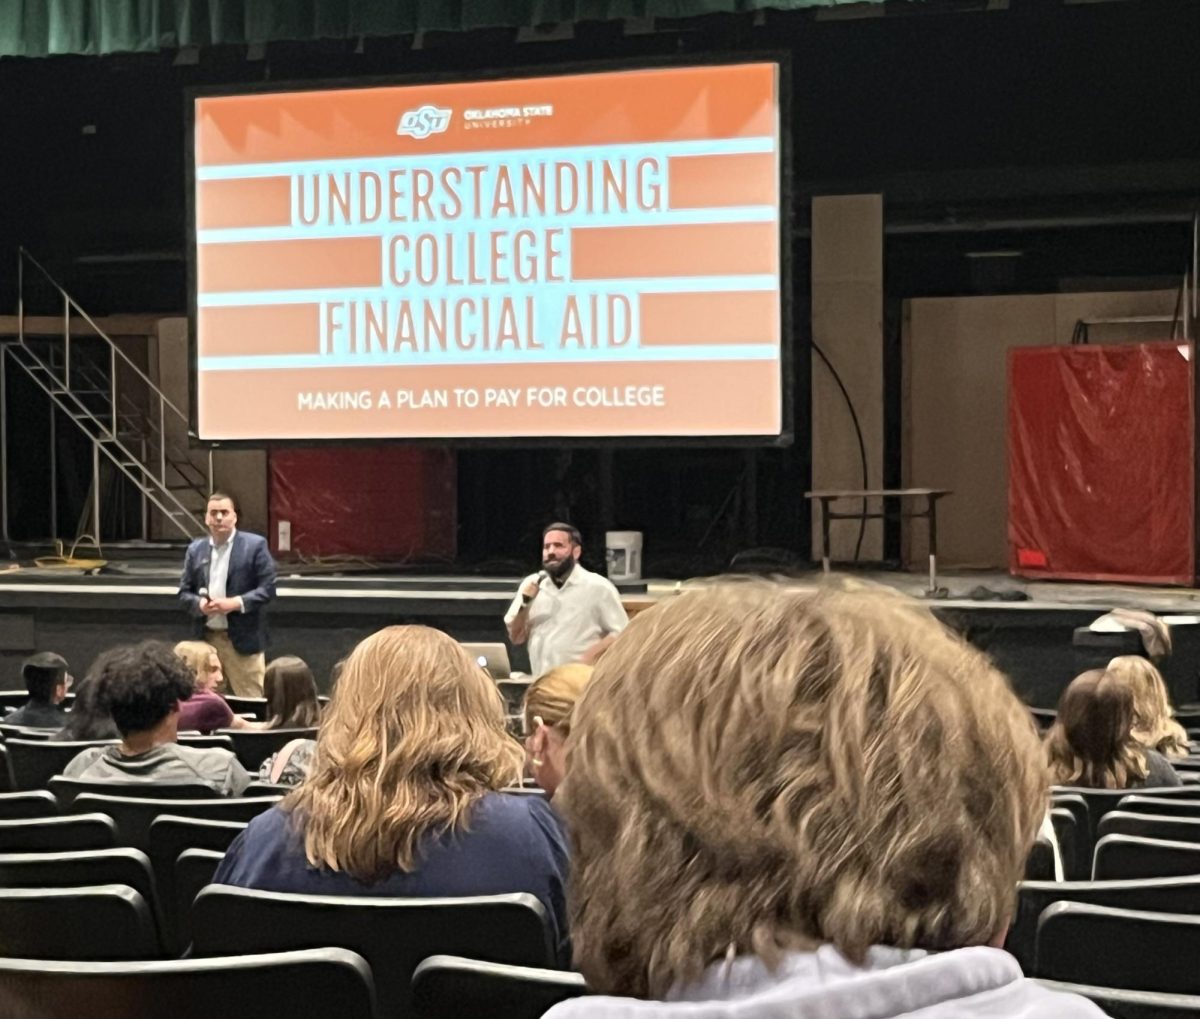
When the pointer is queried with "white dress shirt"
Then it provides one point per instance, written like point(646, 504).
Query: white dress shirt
point(218, 577)
point(565, 621)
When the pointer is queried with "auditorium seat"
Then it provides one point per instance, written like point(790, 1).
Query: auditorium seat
point(92, 923)
point(1166, 895)
point(171, 836)
point(1067, 832)
point(450, 987)
point(76, 869)
point(33, 763)
point(1163, 806)
point(10, 700)
point(198, 741)
point(1130, 856)
point(134, 814)
point(1121, 1004)
point(194, 871)
point(1101, 801)
point(1139, 951)
point(1039, 866)
point(1149, 826)
point(394, 935)
point(253, 746)
point(67, 789)
point(256, 707)
point(34, 803)
point(324, 982)
point(1044, 717)
point(267, 789)
point(58, 834)
point(8, 732)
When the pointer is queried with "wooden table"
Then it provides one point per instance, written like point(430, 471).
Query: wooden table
point(826, 498)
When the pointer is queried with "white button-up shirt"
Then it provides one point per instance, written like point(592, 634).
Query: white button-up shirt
point(565, 621)
point(218, 577)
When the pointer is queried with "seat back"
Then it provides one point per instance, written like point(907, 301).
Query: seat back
point(1149, 826)
point(255, 706)
point(268, 789)
point(450, 987)
point(253, 746)
point(1163, 806)
point(213, 741)
point(1132, 949)
point(1132, 1004)
point(34, 803)
point(34, 762)
point(1122, 857)
point(57, 834)
point(1039, 866)
point(393, 935)
point(1101, 801)
point(326, 982)
point(170, 836)
point(77, 869)
point(1166, 895)
point(12, 699)
point(194, 871)
point(1066, 831)
point(23, 732)
point(133, 815)
point(66, 789)
point(93, 923)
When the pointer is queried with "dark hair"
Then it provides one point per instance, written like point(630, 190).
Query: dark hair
point(42, 673)
point(570, 529)
point(291, 694)
point(88, 719)
point(1091, 743)
point(223, 495)
point(142, 683)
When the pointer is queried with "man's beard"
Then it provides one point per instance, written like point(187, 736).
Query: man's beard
point(561, 570)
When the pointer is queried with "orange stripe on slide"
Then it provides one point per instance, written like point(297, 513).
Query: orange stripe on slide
point(708, 182)
point(290, 265)
point(705, 249)
point(744, 316)
point(274, 329)
point(252, 201)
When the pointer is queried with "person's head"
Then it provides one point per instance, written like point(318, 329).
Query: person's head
point(562, 546)
point(754, 767)
point(220, 516)
point(141, 686)
point(291, 694)
point(413, 738)
point(88, 718)
point(1154, 725)
point(46, 677)
point(201, 658)
point(548, 705)
point(1091, 743)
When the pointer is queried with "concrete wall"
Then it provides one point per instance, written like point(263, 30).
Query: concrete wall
point(847, 324)
point(955, 401)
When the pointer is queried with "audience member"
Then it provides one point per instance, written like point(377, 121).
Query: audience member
point(46, 678)
point(142, 685)
point(1154, 724)
point(404, 798)
point(206, 710)
point(291, 693)
point(89, 718)
point(1092, 744)
point(786, 802)
point(548, 705)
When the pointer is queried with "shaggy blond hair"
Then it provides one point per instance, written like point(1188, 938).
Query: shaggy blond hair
point(1091, 742)
point(755, 767)
point(195, 655)
point(552, 696)
point(413, 738)
point(1154, 724)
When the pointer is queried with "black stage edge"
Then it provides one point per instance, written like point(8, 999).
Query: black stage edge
point(320, 618)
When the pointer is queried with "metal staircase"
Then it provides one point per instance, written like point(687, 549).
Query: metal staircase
point(130, 423)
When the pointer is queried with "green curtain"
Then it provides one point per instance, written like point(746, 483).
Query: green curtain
point(38, 28)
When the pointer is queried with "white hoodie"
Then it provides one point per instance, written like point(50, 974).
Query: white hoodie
point(969, 983)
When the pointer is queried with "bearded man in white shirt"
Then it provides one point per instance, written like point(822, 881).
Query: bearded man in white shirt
point(565, 612)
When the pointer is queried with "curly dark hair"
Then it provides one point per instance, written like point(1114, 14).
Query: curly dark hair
point(140, 684)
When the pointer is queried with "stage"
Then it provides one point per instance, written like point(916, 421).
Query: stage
point(321, 613)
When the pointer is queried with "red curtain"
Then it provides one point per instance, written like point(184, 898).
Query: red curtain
point(397, 502)
point(1101, 463)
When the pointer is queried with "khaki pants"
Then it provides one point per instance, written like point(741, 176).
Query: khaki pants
point(243, 673)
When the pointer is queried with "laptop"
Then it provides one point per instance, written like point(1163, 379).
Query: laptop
point(493, 657)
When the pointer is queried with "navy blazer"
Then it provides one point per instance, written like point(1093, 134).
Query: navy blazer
point(251, 578)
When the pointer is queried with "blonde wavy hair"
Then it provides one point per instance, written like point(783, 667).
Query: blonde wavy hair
point(552, 696)
point(1154, 724)
point(195, 654)
point(1091, 742)
point(756, 767)
point(413, 738)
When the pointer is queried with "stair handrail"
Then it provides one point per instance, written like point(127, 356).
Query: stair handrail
point(24, 255)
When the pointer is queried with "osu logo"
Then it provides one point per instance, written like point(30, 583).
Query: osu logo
point(424, 121)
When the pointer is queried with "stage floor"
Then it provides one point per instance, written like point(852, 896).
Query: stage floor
point(321, 613)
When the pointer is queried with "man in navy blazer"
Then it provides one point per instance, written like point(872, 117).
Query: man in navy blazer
point(228, 579)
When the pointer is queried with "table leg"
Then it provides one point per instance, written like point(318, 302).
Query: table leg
point(932, 545)
point(825, 535)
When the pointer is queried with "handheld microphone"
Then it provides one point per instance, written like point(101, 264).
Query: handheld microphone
point(542, 577)
point(202, 594)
